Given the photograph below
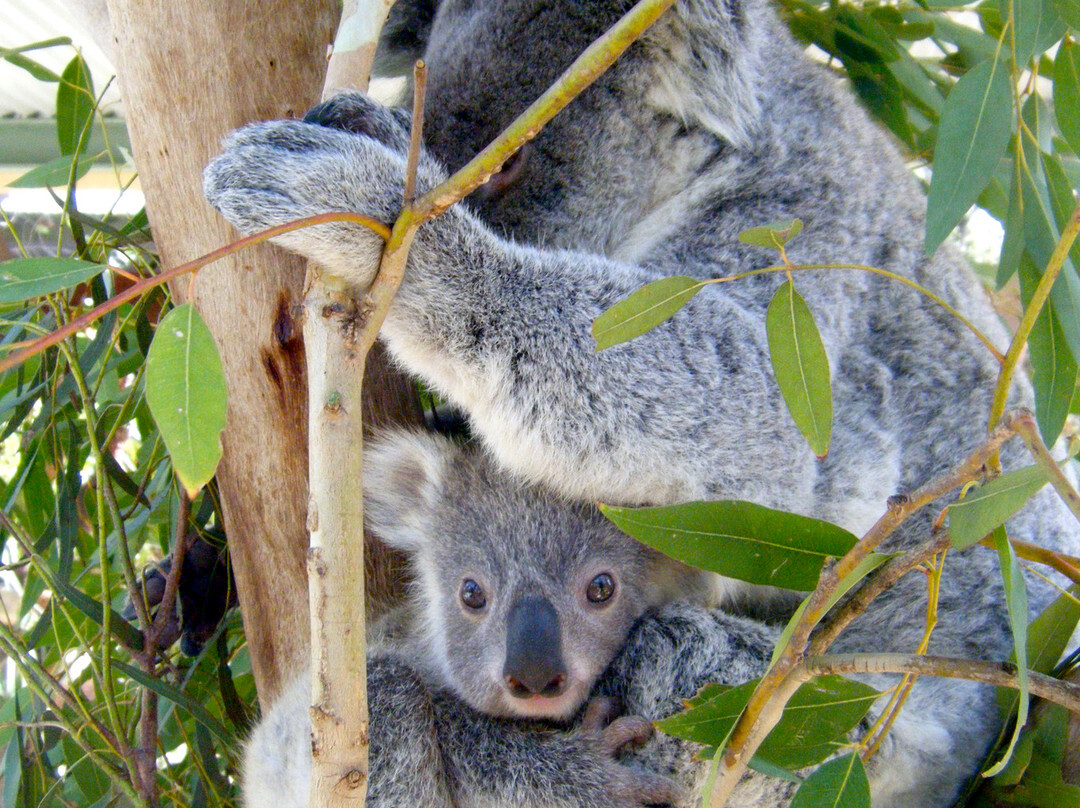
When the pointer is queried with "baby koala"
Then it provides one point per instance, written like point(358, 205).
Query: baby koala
point(520, 598)
point(519, 602)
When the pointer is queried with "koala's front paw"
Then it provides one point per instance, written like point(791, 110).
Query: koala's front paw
point(358, 114)
point(275, 172)
point(628, 787)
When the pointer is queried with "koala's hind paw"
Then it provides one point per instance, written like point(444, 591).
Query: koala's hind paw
point(358, 114)
point(630, 787)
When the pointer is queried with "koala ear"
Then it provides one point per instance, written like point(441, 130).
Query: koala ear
point(404, 36)
point(403, 482)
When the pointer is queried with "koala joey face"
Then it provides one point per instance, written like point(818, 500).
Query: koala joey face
point(522, 598)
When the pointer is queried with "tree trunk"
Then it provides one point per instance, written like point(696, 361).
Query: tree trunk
point(190, 73)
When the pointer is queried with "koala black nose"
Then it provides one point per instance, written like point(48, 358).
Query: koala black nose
point(534, 664)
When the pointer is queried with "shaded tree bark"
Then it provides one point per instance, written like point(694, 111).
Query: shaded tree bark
point(191, 73)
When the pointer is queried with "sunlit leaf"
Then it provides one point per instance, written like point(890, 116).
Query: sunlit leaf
point(74, 106)
point(990, 506)
point(27, 278)
point(1069, 11)
point(643, 310)
point(801, 366)
point(772, 236)
point(840, 783)
point(185, 389)
point(738, 539)
point(974, 131)
point(1017, 603)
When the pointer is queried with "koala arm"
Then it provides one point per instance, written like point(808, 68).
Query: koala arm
point(486, 322)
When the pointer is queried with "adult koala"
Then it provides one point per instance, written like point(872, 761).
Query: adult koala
point(713, 123)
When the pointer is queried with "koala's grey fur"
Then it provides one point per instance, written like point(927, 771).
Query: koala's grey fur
point(714, 123)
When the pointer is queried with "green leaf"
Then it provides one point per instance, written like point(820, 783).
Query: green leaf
point(974, 131)
point(185, 390)
point(840, 783)
point(816, 720)
point(990, 506)
point(12, 772)
point(1050, 632)
point(1016, 600)
point(74, 106)
point(710, 715)
point(27, 278)
point(643, 310)
point(1069, 10)
point(1054, 370)
point(1067, 92)
point(1038, 26)
point(53, 174)
point(738, 539)
point(180, 699)
point(772, 236)
point(801, 366)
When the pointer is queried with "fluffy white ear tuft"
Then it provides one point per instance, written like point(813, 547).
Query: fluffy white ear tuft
point(403, 478)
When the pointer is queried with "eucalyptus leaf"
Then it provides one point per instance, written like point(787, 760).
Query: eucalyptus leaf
point(28, 278)
point(815, 720)
point(738, 539)
point(991, 505)
point(974, 131)
point(1054, 370)
point(801, 366)
point(1037, 27)
point(185, 390)
point(772, 236)
point(1017, 603)
point(643, 310)
point(840, 783)
point(75, 104)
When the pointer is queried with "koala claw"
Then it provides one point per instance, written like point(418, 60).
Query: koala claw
point(632, 787)
point(358, 114)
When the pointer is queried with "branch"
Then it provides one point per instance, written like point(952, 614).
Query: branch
point(777, 686)
point(1001, 674)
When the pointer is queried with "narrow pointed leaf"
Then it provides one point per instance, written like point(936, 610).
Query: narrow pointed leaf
point(840, 783)
point(1069, 11)
point(990, 506)
point(801, 366)
point(738, 539)
point(772, 236)
point(972, 136)
point(643, 310)
point(1016, 600)
point(185, 390)
point(1054, 370)
point(27, 278)
point(74, 106)
point(1067, 92)
point(53, 174)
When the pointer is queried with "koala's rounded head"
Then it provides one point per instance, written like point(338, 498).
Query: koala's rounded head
point(521, 598)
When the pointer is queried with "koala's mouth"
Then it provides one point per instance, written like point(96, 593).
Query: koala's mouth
point(553, 708)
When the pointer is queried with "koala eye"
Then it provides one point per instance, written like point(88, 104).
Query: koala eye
point(601, 588)
point(472, 595)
